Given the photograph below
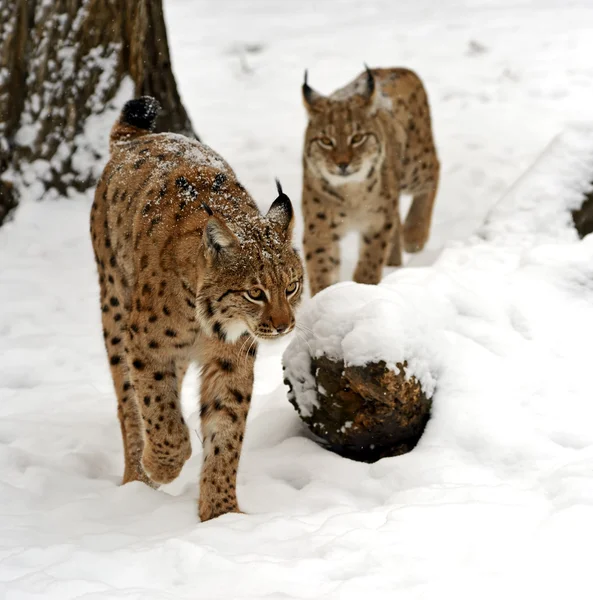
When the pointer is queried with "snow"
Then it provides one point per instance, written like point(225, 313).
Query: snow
point(538, 206)
point(497, 499)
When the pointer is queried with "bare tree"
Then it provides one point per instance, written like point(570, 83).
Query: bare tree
point(65, 67)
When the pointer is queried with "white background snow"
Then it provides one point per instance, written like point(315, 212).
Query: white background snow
point(495, 502)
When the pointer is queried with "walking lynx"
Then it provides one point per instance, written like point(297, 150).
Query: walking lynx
point(364, 145)
point(188, 270)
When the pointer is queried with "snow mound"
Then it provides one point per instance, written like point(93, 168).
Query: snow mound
point(537, 209)
point(360, 324)
point(528, 308)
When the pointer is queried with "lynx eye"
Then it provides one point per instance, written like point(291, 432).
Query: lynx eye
point(292, 288)
point(357, 139)
point(326, 142)
point(256, 294)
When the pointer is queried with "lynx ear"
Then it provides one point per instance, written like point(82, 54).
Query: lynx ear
point(310, 96)
point(281, 211)
point(218, 237)
point(370, 83)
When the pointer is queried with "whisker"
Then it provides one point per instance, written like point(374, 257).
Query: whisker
point(304, 328)
point(199, 437)
point(302, 337)
point(253, 343)
point(244, 344)
point(244, 347)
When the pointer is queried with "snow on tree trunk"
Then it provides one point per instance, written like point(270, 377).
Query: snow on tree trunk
point(66, 67)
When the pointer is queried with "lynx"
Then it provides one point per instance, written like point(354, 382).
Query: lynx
point(189, 270)
point(364, 145)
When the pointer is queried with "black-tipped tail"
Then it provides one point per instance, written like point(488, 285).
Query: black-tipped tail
point(137, 117)
point(141, 113)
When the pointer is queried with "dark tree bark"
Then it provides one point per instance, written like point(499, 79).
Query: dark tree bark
point(364, 413)
point(64, 65)
point(583, 217)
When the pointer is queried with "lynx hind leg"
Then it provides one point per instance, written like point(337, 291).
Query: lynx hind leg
point(166, 437)
point(127, 407)
point(417, 224)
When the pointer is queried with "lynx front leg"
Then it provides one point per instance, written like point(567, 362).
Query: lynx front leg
point(322, 256)
point(166, 437)
point(395, 229)
point(374, 248)
point(227, 383)
point(324, 227)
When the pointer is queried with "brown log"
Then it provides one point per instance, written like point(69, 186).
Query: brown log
point(365, 413)
point(62, 62)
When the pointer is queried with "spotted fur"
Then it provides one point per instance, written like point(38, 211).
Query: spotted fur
point(188, 270)
point(364, 145)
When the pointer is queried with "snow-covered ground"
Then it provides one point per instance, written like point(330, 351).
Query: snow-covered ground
point(496, 501)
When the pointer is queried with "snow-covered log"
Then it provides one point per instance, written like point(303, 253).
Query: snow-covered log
point(362, 371)
point(366, 412)
point(66, 67)
point(368, 359)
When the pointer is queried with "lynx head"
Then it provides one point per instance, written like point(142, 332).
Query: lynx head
point(342, 141)
point(253, 276)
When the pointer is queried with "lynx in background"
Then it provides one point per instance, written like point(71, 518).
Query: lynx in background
point(364, 145)
point(189, 270)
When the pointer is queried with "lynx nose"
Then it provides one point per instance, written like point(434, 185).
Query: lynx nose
point(343, 166)
point(280, 325)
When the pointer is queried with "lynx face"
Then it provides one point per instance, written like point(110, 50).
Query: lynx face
point(251, 287)
point(342, 141)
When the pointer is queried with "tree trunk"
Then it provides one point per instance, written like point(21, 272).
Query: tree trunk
point(364, 413)
point(66, 67)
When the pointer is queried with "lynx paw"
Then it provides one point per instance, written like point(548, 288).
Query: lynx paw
point(217, 498)
point(414, 239)
point(163, 465)
point(138, 474)
point(210, 509)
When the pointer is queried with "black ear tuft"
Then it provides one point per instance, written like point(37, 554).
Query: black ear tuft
point(307, 91)
point(141, 112)
point(281, 211)
point(370, 82)
point(310, 96)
